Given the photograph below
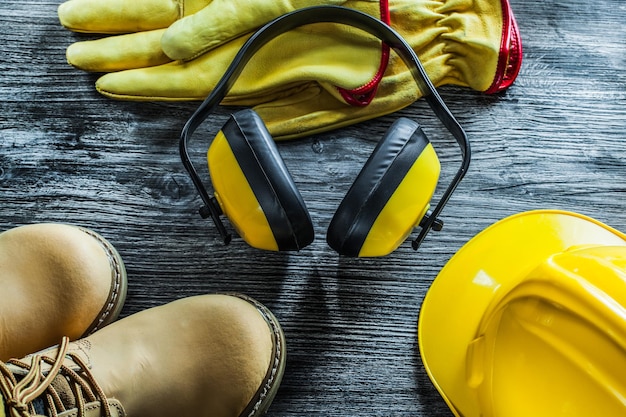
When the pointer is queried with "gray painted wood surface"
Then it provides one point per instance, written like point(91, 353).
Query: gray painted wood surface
point(556, 139)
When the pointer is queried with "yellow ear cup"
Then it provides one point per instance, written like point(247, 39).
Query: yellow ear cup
point(236, 198)
point(390, 195)
point(406, 207)
point(253, 187)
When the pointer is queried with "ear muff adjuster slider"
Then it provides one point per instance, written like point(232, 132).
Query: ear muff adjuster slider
point(436, 225)
point(206, 212)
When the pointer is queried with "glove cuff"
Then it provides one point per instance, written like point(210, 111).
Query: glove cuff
point(472, 43)
point(486, 57)
point(510, 58)
point(362, 96)
point(481, 47)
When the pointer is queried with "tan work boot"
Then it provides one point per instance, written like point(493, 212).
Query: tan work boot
point(55, 280)
point(207, 355)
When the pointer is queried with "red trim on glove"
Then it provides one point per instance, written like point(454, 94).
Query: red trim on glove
point(362, 96)
point(510, 58)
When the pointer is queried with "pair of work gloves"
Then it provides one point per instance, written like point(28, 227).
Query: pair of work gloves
point(311, 79)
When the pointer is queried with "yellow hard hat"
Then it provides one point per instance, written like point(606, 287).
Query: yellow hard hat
point(529, 319)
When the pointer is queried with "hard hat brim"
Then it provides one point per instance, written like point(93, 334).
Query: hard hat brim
point(491, 263)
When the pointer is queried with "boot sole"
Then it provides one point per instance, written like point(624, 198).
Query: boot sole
point(119, 285)
point(268, 389)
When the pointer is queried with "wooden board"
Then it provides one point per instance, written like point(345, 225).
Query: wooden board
point(556, 139)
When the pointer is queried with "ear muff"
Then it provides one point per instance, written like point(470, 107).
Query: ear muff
point(389, 197)
point(254, 188)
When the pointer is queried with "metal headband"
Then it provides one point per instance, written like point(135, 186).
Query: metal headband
point(327, 14)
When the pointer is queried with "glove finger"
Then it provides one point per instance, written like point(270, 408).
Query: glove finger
point(218, 22)
point(223, 20)
point(120, 86)
point(118, 16)
point(292, 58)
point(174, 81)
point(117, 53)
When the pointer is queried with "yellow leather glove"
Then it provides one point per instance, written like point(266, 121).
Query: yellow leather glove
point(309, 80)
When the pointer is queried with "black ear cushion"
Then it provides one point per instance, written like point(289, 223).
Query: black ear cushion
point(380, 177)
point(269, 179)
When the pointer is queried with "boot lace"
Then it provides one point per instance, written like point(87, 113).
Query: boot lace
point(20, 394)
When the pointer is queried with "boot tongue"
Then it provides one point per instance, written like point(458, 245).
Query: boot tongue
point(63, 389)
point(2, 412)
point(61, 384)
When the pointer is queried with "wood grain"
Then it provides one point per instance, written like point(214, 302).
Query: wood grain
point(556, 139)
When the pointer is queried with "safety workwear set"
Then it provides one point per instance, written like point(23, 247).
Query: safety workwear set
point(526, 319)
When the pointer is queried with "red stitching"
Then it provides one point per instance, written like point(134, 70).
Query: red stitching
point(362, 96)
point(510, 57)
